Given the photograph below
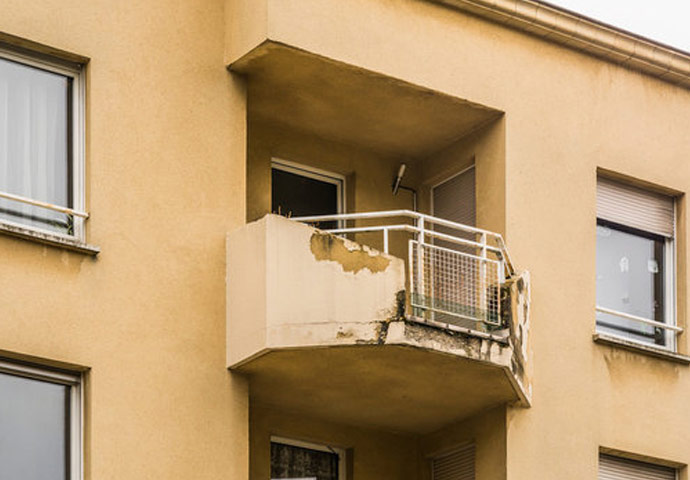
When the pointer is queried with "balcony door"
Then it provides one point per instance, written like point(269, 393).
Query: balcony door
point(454, 288)
point(454, 198)
point(298, 190)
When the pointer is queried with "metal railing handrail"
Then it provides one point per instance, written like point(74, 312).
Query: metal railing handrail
point(646, 321)
point(395, 213)
point(38, 203)
point(420, 228)
point(413, 229)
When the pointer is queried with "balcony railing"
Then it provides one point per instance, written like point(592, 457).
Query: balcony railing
point(455, 271)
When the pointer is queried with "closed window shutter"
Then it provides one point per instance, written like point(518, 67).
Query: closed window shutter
point(634, 207)
point(454, 199)
point(455, 465)
point(616, 468)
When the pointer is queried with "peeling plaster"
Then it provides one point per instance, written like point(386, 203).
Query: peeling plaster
point(351, 256)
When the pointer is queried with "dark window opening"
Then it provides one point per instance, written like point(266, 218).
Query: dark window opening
point(295, 195)
point(292, 462)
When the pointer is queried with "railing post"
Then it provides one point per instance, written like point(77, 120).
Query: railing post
point(385, 240)
point(482, 278)
point(421, 292)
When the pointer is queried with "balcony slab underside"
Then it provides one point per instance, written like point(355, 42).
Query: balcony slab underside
point(347, 104)
point(392, 387)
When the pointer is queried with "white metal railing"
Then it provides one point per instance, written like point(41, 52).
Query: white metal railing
point(455, 270)
point(669, 328)
point(38, 203)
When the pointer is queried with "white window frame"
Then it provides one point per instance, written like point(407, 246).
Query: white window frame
point(76, 406)
point(669, 296)
point(316, 173)
point(76, 72)
point(342, 462)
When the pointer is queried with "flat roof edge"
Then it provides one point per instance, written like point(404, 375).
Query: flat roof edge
point(574, 30)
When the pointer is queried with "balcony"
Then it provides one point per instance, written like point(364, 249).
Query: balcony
point(394, 320)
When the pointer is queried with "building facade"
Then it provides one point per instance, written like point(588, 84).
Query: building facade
point(340, 239)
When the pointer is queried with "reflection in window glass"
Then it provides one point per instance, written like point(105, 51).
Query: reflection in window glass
point(630, 279)
point(34, 427)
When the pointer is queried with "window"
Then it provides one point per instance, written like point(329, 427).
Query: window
point(297, 460)
point(635, 264)
point(457, 464)
point(297, 190)
point(41, 145)
point(40, 423)
point(617, 468)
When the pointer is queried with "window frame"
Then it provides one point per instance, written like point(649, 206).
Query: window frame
point(75, 382)
point(616, 455)
point(77, 143)
point(317, 174)
point(341, 452)
point(669, 282)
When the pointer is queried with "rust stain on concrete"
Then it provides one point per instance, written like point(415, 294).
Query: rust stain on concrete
point(352, 257)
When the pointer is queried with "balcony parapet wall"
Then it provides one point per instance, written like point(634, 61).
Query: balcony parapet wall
point(301, 295)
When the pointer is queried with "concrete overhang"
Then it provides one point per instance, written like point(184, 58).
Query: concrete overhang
point(347, 104)
point(318, 325)
point(389, 387)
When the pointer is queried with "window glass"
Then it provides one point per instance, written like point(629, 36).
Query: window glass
point(34, 145)
point(299, 195)
point(630, 279)
point(34, 428)
point(292, 462)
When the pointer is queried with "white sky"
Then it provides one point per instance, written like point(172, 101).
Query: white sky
point(666, 21)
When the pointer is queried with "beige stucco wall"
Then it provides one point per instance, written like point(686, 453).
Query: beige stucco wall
point(166, 144)
point(372, 454)
point(566, 114)
point(485, 149)
point(368, 175)
point(165, 183)
point(487, 431)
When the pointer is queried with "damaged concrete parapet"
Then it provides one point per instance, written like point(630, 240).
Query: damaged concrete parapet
point(313, 315)
point(293, 286)
point(515, 299)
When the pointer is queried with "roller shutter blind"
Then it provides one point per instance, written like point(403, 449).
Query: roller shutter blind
point(454, 199)
point(616, 468)
point(634, 207)
point(455, 465)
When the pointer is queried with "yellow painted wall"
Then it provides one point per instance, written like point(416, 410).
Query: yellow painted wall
point(166, 147)
point(485, 149)
point(487, 431)
point(368, 175)
point(373, 454)
point(566, 114)
point(165, 183)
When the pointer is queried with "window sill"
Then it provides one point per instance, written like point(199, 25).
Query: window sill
point(611, 341)
point(73, 245)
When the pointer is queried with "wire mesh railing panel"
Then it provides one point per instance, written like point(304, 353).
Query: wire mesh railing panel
point(454, 287)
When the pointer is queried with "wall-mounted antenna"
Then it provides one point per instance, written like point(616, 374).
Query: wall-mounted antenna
point(397, 186)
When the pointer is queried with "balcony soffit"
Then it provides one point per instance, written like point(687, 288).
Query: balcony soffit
point(343, 103)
